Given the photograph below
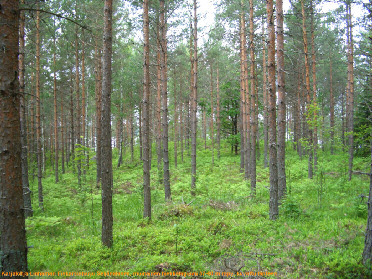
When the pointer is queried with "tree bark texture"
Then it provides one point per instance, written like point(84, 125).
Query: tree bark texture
point(273, 205)
point(146, 113)
point(107, 183)
point(13, 244)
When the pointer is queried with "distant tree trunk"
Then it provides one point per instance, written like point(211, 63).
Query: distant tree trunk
point(242, 122)
point(72, 134)
point(98, 91)
point(83, 100)
point(13, 244)
point(62, 136)
point(212, 115)
point(55, 115)
point(33, 150)
point(146, 113)
point(38, 120)
point(297, 117)
point(274, 210)
point(253, 101)
point(21, 65)
point(264, 88)
point(158, 106)
point(307, 79)
point(218, 116)
point(107, 219)
point(164, 95)
point(331, 106)
point(204, 109)
point(141, 143)
point(78, 109)
point(350, 88)
point(181, 118)
point(313, 64)
point(282, 188)
point(120, 129)
point(194, 103)
point(131, 138)
point(175, 120)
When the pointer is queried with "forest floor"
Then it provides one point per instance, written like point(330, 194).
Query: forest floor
point(319, 234)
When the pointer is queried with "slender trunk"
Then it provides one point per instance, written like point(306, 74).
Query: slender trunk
point(98, 91)
point(282, 188)
point(146, 113)
point(315, 116)
point(140, 122)
point(78, 109)
point(107, 219)
point(350, 91)
point(265, 102)
point(158, 107)
point(83, 101)
point(131, 138)
point(274, 210)
point(181, 117)
point(212, 115)
point(175, 120)
point(242, 122)
point(13, 245)
point(72, 134)
point(218, 116)
point(307, 79)
point(62, 137)
point(55, 115)
point(252, 101)
point(194, 103)
point(21, 66)
point(332, 106)
point(38, 120)
point(120, 130)
point(164, 95)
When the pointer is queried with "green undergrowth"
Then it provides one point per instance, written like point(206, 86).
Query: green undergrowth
point(319, 234)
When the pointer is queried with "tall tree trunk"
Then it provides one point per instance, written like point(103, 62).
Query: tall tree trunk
point(212, 114)
point(120, 129)
point(55, 115)
point(21, 66)
point(218, 115)
point(72, 133)
point(175, 119)
point(242, 118)
point(181, 117)
point(282, 188)
point(367, 251)
point(307, 79)
point(331, 106)
point(158, 106)
point(62, 136)
point(38, 120)
point(265, 101)
point(313, 64)
point(83, 100)
point(252, 102)
point(141, 143)
point(13, 244)
point(194, 103)
point(107, 219)
point(274, 210)
point(78, 109)
point(146, 113)
point(98, 91)
point(164, 96)
point(131, 137)
point(350, 88)
point(33, 149)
